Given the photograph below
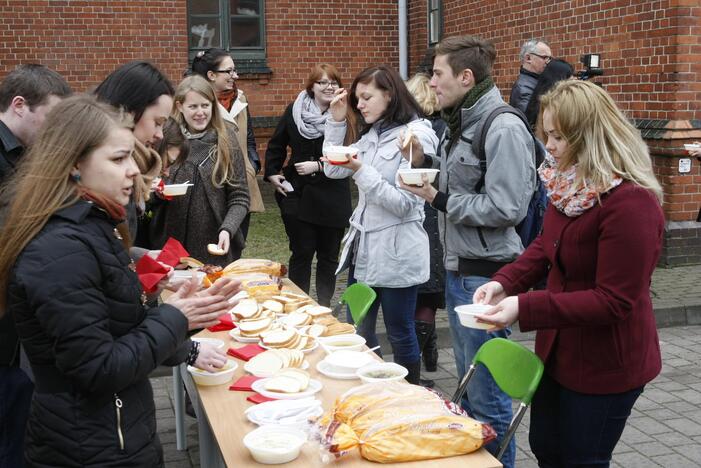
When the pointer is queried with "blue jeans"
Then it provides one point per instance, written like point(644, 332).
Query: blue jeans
point(398, 308)
point(15, 397)
point(571, 429)
point(484, 400)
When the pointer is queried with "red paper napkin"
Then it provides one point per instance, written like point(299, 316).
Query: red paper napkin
point(245, 352)
point(172, 252)
point(225, 323)
point(258, 398)
point(150, 272)
point(160, 188)
point(244, 383)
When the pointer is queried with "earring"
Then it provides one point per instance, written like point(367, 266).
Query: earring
point(76, 177)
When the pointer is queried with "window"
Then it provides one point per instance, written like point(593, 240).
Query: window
point(435, 21)
point(234, 25)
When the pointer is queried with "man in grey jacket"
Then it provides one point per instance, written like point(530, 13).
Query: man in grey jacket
point(477, 223)
point(535, 55)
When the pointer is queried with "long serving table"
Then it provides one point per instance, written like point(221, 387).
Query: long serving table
point(222, 424)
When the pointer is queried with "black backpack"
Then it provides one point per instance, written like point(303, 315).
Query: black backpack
point(529, 228)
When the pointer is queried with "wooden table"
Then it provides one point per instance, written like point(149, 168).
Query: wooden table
point(222, 423)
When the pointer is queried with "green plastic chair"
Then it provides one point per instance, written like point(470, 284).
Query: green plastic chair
point(358, 297)
point(516, 370)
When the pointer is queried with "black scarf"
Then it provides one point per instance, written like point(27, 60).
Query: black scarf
point(451, 115)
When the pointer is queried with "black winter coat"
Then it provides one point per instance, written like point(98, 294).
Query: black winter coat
point(323, 201)
point(90, 341)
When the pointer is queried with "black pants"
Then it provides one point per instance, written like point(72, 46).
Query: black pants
point(572, 429)
point(307, 239)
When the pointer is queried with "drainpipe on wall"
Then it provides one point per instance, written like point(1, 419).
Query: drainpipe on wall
point(403, 42)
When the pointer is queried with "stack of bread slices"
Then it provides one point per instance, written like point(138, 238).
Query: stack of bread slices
point(287, 338)
point(288, 381)
point(271, 361)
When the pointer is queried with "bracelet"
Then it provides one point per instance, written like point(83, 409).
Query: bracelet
point(193, 354)
point(321, 167)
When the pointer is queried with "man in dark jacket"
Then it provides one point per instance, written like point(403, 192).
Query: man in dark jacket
point(535, 55)
point(27, 94)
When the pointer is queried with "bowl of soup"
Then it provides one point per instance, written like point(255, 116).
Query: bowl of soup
point(382, 372)
point(339, 154)
point(350, 342)
point(467, 314)
point(415, 176)
point(273, 444)
point(175, 190)
point(218, 377)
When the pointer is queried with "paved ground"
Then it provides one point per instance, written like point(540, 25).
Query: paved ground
point(664, 429)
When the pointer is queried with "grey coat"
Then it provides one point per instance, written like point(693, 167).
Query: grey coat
point(197, 218)
point(386, 233)
point(480, 226)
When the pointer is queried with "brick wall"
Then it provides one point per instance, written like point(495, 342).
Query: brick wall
point(651, 52)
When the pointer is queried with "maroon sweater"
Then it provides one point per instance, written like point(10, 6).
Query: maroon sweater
point(595, 326)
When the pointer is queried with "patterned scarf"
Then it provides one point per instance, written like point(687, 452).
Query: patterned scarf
point(308, 117)
point(452, 115)
point(562, 193)
point(227, 98)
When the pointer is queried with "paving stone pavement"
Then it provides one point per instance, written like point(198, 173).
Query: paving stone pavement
point(664, 428)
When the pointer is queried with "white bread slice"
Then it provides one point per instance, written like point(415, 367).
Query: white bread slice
point(246, 308)
point(316, 330)
point(265, 364)
point(280, 337)
point(318, 311)
point(294, 295)
point(300, 375)
point(283, 384)
point(275, 306)
point(255, 326)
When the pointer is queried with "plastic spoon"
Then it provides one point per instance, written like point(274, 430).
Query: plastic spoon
point(372, 349)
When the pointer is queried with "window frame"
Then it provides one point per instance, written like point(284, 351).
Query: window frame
point(429, 30)
point(248, 59)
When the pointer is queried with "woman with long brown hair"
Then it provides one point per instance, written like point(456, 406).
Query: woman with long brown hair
point(212, 210)
point(70, 286)
point(314, 208)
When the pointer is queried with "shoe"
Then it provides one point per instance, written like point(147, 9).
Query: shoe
point(414, 371)
point(428, 383)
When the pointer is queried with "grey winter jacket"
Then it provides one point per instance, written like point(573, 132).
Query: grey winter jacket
point(480, 226)
point(391, 246)
point(522, 90)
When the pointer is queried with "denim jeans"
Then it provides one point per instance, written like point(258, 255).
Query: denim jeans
point(398, 307)
point(15, 397)
point(572, 429)
point(484, 400)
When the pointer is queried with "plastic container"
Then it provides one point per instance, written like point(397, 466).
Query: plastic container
point(466, 314)
point(339, 154)
point(349, 342)
point(382, 372)
point(205, 378)
point(414, 176)
point(219, 344)
point(347, 362)
point(175, 190)
point(273, 445)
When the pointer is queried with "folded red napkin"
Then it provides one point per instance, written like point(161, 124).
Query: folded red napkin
point(160, 189)
point(150, 272)
point(172, 252)
point(245, 352)
point(258, 398)
point(225, 323)
point(244, 383)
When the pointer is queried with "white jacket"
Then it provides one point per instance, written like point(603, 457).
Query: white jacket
point(392, 247)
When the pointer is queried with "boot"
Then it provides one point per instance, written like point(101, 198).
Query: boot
point(414, 371)
point(430, 351)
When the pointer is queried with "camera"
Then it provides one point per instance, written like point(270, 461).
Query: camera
point(592, 66)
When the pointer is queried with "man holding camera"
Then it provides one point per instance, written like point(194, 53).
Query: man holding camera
point(477, 220)
point(535, 55)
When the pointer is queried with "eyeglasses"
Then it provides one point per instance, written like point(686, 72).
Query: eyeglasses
point(230, 71)
point(326, 84)
point(547, 58)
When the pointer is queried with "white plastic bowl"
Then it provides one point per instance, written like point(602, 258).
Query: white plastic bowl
point(219, 344)
point(414, 176)
point(348, 342)
point(225, 375)
point(691, 146)
point(339, 154)
point(366, 373)
point(347, 362)
point(466, 314)
point(272, 445)
point(174, 190)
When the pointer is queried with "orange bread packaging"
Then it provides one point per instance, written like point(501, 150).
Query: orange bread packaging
point(397, 422)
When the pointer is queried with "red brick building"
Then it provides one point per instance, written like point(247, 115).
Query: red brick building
point(651, 52)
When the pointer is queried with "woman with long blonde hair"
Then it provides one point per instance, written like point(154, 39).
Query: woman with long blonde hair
point(601, 240)
point(212, 210)
point(68, 282)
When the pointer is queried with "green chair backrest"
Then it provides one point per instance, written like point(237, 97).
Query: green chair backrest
point(515, 369)
point(359, 297)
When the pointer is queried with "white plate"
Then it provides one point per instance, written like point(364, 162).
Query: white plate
point(259, 386)
point(262, 345)
point(322, 367)
point(305, 366)
point(236, 334)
